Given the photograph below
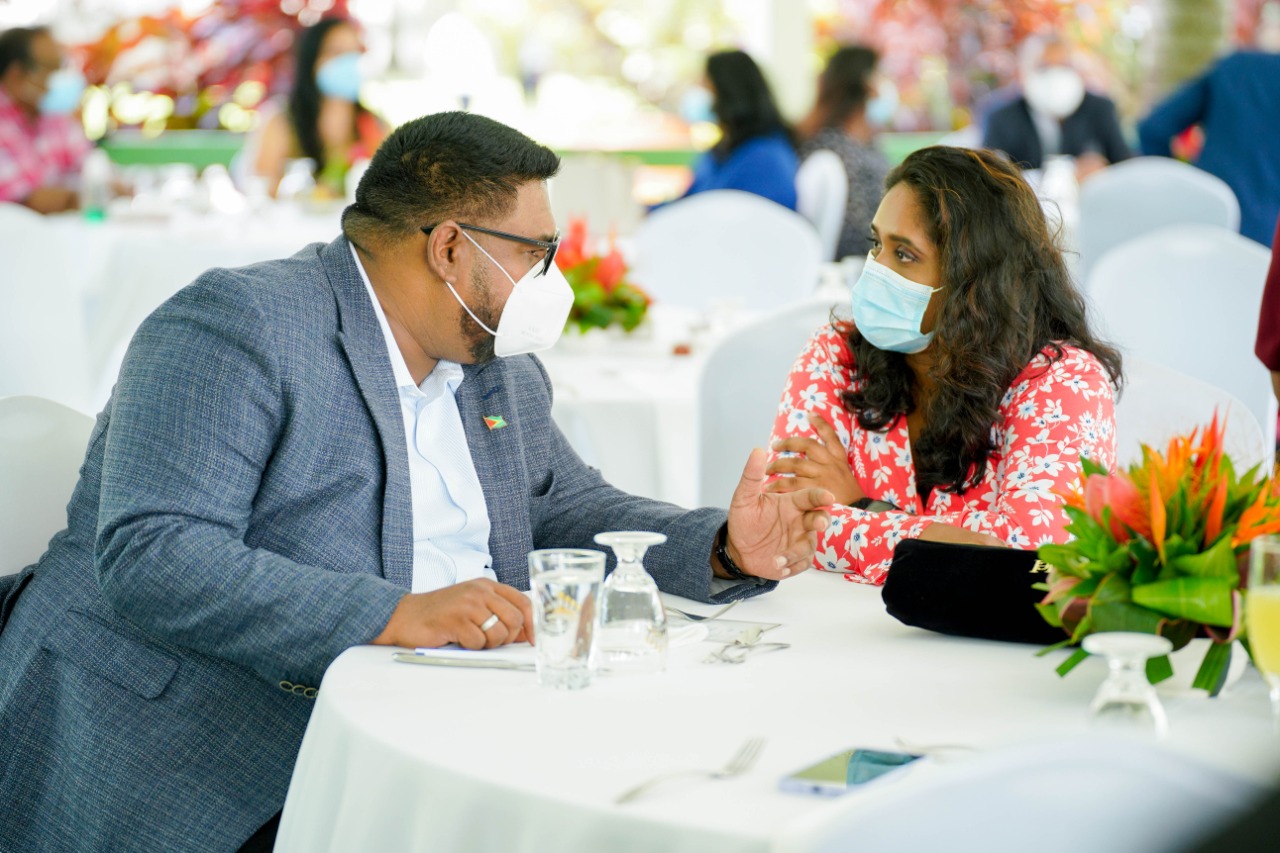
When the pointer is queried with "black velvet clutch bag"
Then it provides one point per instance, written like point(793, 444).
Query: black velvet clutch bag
point(968, 591)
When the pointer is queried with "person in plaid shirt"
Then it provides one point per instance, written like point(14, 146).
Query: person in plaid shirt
point(41, 146)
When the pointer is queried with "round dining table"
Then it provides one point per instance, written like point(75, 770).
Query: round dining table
point(400, 757)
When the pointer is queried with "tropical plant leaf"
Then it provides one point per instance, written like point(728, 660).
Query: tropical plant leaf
point(1217, 562)
point(1072, 662)
point(1212, 674)
point(1158, 669)
point(1123, 616)
point(1206, 600)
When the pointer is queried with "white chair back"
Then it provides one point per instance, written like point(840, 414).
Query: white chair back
point(822, 190)
point(1158, 403)
point(42, 446)
point(43, 346)
point(1188, 297)
point(1144, 194)
point(1135, 796)
point(739, 390)
point(730, 247)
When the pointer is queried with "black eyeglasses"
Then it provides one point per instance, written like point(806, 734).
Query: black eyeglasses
point(549, 248)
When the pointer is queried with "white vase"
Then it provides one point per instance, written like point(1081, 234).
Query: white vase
point(1186, 663)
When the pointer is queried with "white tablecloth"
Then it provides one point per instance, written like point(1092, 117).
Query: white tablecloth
point(402, 757)
point(110, 275)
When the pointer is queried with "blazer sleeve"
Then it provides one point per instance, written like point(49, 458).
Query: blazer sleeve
point(1114, 146)
point(1175, 114)
point(579, 504)
point(194, 420)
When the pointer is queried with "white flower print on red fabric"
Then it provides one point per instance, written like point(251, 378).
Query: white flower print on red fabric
point(1055, 414)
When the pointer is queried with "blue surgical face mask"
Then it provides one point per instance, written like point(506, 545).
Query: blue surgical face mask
point(340, 77)
point(881, 108)
point(888, 309)
point(696, 105)
point(63, 95)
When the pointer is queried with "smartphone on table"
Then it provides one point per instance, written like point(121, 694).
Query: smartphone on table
point(844, 771)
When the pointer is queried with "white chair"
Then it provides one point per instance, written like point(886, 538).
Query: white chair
point(1141, 195)
point(1104, 795)
point(42, 325)
point(42, 445)
point(822, 190)
point(1158, 403)
point(1188, 297)
point(728, 247)
point(740, 388)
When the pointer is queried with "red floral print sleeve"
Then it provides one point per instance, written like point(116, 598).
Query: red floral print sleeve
point(1055, 414)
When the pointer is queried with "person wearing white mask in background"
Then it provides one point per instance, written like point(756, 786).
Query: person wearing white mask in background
point(42, 144)
point(1056, 115)
point(959, 403)
point(324, 120)
point(851, 108)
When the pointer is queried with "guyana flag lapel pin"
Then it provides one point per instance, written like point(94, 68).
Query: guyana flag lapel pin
point(494, 422)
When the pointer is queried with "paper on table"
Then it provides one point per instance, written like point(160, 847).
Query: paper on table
point(516, 653)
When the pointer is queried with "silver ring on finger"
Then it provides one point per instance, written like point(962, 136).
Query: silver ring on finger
point(490, 622)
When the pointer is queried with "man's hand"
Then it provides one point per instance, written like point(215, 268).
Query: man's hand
point(822, 464)
point(941, 532)
point(774, 535)
point(454, 615)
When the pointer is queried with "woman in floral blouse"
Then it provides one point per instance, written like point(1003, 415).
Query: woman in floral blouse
point(960, 401)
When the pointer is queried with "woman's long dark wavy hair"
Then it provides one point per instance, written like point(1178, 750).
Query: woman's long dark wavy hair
point(304, 96)
point(1008, 298)
point(843, 88)
point(743, 103)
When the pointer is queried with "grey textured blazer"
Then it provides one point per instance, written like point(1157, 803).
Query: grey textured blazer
point(242, 517)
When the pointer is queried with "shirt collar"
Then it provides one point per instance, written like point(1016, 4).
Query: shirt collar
point(448, 372)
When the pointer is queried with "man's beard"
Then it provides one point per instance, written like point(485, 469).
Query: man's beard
point(479, 342)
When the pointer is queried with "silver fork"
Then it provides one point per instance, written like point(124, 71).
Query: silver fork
point(739, 764)
point(694, 617)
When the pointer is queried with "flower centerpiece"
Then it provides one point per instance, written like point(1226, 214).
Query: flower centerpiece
point(1161, 549)
point(602, 296)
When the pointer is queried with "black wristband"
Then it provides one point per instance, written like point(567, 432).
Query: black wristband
point(872, 505)
point(722, 554)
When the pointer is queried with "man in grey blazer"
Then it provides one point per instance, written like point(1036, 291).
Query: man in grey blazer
point(254, 497)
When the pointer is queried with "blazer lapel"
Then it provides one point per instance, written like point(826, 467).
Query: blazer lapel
point(361, 339)
point(494, 438)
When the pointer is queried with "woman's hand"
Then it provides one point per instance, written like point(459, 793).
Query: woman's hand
point(942, 532)
point(821, 463)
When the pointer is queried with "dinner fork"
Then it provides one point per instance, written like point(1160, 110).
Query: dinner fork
point(740, 763)
point(694, 617)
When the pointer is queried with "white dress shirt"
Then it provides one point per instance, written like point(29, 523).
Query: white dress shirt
point(450, 517)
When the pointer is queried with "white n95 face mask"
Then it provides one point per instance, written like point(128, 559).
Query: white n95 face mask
point(535, 313)
point(888, 309)
point(1056, 91)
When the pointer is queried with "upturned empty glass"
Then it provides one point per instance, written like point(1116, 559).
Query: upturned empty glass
point(633, 624)
point(1126, 701)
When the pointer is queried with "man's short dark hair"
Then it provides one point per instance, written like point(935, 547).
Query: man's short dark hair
point(452, 165)
point(15, 47)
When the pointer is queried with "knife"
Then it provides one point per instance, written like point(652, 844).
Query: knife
point(474, 663)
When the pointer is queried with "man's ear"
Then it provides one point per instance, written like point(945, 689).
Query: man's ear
point(442, 250)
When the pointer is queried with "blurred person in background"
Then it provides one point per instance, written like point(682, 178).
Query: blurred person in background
point(324, 120)
point(756, 152)
point(42, 145)
point(1267, 344)
point(1055, 115)
point(845, 119)
point(1237, 103)
point(959, 403)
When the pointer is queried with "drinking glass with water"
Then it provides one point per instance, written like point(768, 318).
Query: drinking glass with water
point(566, 586)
